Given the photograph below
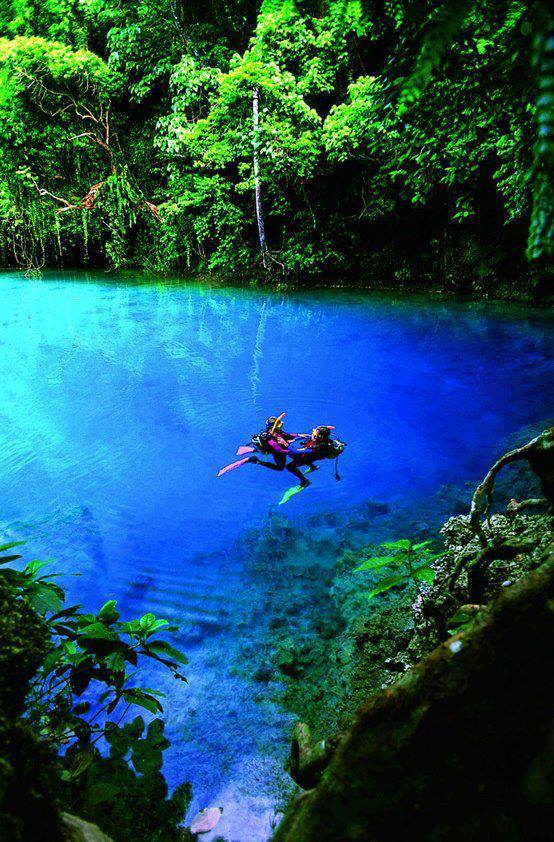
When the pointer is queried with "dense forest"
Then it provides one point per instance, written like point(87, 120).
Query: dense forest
point(403, 142)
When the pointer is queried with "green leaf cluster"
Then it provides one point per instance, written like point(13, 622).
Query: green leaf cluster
point(405, 563)
point(80, 696)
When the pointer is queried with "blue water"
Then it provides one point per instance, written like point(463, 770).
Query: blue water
point(119, 402)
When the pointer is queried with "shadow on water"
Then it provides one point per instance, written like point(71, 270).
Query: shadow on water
point(118, 404)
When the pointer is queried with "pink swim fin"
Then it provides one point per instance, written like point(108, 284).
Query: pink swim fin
point(245, 448)
point(232, 466)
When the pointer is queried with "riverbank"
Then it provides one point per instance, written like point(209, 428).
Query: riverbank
point(536, 291)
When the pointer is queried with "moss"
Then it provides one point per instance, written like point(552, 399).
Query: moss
point(457, 748)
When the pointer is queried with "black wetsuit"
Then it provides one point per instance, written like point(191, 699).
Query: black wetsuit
point(280, 454)
point(325, 449)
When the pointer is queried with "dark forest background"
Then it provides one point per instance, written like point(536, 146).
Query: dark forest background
point(405, 143)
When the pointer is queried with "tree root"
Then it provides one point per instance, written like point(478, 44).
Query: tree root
point(308, 759)
point(539, 452)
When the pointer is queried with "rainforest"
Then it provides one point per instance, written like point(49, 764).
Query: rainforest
point(282, 140)
point(276, 420)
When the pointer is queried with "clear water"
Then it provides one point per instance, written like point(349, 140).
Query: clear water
point(119, 402)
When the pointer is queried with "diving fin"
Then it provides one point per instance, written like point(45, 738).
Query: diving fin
point(232, 466)
point(290, 492)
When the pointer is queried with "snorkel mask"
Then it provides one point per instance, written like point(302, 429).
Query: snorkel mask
point(274, 424)
point(323, 431)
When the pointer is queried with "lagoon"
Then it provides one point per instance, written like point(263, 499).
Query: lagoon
point(119, 402)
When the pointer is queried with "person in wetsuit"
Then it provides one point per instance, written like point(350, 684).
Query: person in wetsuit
point(275, 441)
point(319, 446)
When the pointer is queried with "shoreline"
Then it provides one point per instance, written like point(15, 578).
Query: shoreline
point(426, 293)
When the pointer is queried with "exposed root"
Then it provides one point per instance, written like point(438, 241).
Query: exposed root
point(539, 452)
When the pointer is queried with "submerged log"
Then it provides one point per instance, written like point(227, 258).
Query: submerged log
point(458, 747)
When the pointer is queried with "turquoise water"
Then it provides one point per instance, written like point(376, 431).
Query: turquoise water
point(119, 403)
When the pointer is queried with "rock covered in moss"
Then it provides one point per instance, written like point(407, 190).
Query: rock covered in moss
point(459, 747)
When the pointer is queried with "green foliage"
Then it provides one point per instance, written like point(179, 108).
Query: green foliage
point(27, 780)
point(81, 689)
point(388, 134)
point(408, 563)
point(460, 620)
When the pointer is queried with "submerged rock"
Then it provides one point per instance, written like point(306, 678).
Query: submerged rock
point(458, 748)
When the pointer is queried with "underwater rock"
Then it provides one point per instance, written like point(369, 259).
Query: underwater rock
point(264, 673)
point(291, 659)
point(458, 747)
point(373, 508)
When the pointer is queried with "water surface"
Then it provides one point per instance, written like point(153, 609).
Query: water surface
point(120, 401)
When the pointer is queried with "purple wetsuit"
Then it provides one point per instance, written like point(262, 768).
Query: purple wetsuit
point(280, 453)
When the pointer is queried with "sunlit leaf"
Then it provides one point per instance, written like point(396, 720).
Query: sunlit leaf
point(377, 562)
point(402, 544)
point(108, 613)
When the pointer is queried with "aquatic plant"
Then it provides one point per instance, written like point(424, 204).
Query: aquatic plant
point(406, 562)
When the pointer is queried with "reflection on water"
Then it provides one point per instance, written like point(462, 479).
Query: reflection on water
point(118, 404)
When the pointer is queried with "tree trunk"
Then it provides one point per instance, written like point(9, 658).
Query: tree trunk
point(257, 188)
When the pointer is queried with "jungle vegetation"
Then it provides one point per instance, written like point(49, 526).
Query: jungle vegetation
point(406, 140)
point(71, 734)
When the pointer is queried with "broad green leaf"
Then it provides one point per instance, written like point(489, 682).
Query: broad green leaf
point(115, 661)
point(422, 545)
point(162, 647)
point(386, 584)
point(52, 660)
point(153, 691)
point(82, 761)
point(377, 562)
point(45, 598)
point(147, 621)
point(34, 566)
point(425, 574)
point(65, 612)
point(97, 631)
point(135, 696)
point(98, 793)
point(131, 627)
point(108, 613)
point(402, 544)
point(433, 557)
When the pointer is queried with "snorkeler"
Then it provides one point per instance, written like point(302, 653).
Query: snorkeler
point(275, 442)
point(301, 449)
point(319, 446)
